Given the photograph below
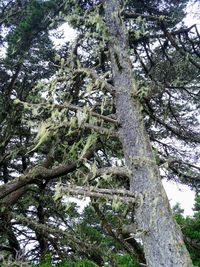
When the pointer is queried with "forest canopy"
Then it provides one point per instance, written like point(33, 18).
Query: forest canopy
point(102, 119)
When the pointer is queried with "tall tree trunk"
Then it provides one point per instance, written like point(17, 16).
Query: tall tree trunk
point(161, 236)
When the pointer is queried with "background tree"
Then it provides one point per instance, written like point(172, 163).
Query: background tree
point(190, 228)
point(64, 120)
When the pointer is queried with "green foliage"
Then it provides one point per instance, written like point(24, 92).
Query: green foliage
point(126, 261)
point(20, 38)
point(120, 261)
point(45, 127)
point(65, 263)
point(191, 230)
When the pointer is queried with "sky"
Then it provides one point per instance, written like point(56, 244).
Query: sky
point(182, 194)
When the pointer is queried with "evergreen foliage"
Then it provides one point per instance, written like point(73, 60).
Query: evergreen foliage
point(59, 131)
point(191, 229)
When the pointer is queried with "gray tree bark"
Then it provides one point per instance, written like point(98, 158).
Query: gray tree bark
point(161, 236)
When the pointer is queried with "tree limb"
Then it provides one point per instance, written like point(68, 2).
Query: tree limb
point(40, 173)
point(107, 194)
point(94, 76)
point(177, 47)
point(121, 171)
point(71, 107)
point(133, 15)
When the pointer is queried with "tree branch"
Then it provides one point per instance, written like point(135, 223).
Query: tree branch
point(131, 248)
point(157, 36)
point(182, 134)
point(133, 15)
point(101, 130)
point(71, 107)
point(94, 76)
point(121, 171)
point(40, 173)
point(47, 230)
point(107, 194)
point(177, 47)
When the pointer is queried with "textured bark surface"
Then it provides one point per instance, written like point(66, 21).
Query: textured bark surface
point(162, 238)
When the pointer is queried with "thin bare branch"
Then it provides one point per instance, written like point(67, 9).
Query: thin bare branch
point(177, 47)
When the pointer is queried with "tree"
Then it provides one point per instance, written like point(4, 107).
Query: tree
point(190, 229)
point(103, 111)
